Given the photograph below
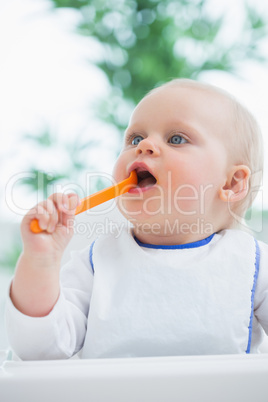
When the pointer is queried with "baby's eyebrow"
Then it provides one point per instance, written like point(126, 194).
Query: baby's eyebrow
point(127, 131)
point(132, 130)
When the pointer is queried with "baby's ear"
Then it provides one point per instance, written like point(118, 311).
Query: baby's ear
point(237, 184)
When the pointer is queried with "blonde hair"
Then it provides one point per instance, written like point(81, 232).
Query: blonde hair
point(245, 138)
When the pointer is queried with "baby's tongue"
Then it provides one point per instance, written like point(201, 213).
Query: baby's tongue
point(147, 182)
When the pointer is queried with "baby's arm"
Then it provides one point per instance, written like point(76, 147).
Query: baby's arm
point(35, 287)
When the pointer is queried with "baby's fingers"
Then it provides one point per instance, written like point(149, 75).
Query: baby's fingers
point(45, 213)
point(65, 203)
point(67, 218)
point(53, 212)
point(47, 216)
point(73, 202)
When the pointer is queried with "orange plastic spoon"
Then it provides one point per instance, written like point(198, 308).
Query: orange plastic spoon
point(98, 198)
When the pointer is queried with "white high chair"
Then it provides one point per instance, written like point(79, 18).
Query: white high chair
point(227, 378)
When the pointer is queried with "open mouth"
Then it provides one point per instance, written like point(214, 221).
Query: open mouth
point(145, 179)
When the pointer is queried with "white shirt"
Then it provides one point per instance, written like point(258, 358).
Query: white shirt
point(121, 298)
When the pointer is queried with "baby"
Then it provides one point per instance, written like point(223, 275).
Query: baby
point(185, 279)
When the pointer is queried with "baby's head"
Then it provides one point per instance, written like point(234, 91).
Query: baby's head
point(198, 155)
point(241, 134)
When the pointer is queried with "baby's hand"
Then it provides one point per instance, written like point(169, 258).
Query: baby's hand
point(55, 217)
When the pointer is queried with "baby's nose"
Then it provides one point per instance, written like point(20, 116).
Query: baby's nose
point(147, 147)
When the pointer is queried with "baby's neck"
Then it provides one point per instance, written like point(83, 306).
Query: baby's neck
point(171, 238)
point(176, 232)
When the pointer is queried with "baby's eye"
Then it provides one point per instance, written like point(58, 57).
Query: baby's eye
point(136, 140)
point(177, 139)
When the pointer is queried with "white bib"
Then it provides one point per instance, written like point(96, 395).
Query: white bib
point(180, 300)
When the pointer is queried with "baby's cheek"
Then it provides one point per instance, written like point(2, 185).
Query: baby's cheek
point(185, 199)
point(122, 164)
point(189, 192)
point(118, 171)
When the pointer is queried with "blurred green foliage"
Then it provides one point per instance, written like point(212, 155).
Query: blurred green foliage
point(147, 42)
point(41, 181)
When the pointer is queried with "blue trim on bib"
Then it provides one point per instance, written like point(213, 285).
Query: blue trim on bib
point(256, 273)
point(195, 244)
point(91, 256)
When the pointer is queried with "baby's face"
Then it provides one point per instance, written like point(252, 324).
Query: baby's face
point(176, 142)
